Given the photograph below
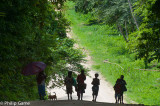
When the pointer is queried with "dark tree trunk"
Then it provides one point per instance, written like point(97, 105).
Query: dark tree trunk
point(121, 30)
point(126, 30)
point(129, 2)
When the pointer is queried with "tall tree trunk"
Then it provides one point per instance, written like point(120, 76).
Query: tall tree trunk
point(126, 30)
point(120, 28)
point(129, 2)
point(146, 62)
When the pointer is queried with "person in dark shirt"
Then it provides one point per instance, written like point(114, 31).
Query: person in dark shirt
point(120, 86)
point(69, 82)
point(81, 85)
point(95, 87)
point(41, 84)
point(123, 85)
point(118, 90)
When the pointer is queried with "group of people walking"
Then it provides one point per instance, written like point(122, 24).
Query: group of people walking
point(80, 86)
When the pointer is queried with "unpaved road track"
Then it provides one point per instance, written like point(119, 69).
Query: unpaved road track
point(105, 96)
point(106, 92)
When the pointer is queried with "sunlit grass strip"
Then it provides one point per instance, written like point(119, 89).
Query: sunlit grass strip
point(102, 43)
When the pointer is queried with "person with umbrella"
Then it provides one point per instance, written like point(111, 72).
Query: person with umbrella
point(37, 68)
point(41, 84)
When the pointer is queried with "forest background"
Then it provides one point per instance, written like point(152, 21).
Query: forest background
point(124, 33)
point(123, 37)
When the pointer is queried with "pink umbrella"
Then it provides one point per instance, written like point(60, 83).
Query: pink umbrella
point(33, 68)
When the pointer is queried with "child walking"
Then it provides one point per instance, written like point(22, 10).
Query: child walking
point(118, 90)
point(95, 87)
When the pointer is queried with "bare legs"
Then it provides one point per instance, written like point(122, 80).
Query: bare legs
point(80, 95)
point(70, 96)
point(94, 98)
point(119, 98)
point(122, 98)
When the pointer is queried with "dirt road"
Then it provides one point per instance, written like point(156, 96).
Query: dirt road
point(106, 92)
point(105, 96)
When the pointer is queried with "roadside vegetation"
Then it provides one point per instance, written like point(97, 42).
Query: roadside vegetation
point(114, 53)
point(33, 31)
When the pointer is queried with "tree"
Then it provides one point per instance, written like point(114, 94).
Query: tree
point(33, 31)
point(146, 40)
point(137, 18)
point(111, 12)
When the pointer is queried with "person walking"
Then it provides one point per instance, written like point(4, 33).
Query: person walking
point(69, 82)
point(41, 84)
point(123, 85)
point(118, 89)
point(95, 87)
point(81, 85)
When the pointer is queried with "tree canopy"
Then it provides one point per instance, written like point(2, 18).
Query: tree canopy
point(136, 20)
point(147, 38)
point(33, 31)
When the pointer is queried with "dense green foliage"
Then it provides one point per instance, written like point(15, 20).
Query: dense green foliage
point(111, 12)
point(104, 43)
point(33, 31)
point(137, 20)
point(146, 41)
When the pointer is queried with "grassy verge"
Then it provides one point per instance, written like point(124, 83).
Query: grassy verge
point(104, 42)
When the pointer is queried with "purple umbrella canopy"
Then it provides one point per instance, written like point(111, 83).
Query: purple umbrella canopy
point(33, 68)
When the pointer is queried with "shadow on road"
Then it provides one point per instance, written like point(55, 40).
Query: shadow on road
point(77, 103)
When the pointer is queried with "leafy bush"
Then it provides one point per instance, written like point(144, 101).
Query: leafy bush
point(33, 31)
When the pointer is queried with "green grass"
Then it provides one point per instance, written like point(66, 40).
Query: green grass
point(104, 42)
